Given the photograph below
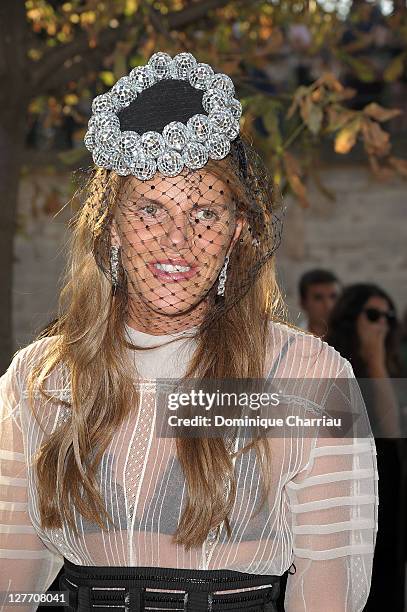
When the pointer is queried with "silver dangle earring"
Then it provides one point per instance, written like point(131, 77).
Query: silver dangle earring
point(114, 267)
point(220, 294)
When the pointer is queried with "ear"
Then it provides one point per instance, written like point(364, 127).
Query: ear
point(114, 234)
point(238, 230)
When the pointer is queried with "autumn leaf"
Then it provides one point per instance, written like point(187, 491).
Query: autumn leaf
point(299, 94)
point(338, 117)
point(315, 118)
point(376, 140)
point(293, 173)
point(317, 95)
point(330, 81)
point(379, 113)
point(311, 114)
point(345, 140)
point(346, 94)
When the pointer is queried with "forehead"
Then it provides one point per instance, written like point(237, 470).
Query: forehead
point(377, 300)
point(323, 287)
point(194, 186)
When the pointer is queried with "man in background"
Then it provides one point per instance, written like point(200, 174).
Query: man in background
point(318, 292)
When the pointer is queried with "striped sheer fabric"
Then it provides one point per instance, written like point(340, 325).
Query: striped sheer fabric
point(321, 512)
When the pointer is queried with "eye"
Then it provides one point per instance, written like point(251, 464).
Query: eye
point(149, 209)
point(206, 214)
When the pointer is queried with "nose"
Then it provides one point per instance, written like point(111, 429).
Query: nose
point(176, 232)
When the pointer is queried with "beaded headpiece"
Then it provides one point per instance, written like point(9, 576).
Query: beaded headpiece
point(205, 135)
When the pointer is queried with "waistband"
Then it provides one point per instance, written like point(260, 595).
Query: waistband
point(138, 589)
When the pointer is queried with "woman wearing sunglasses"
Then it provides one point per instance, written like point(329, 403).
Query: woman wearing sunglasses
point(363, 327)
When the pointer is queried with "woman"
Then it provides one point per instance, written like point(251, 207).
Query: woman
point(363, 328)
point(171, 277)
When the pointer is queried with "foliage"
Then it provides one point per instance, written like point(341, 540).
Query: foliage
point(81, 47)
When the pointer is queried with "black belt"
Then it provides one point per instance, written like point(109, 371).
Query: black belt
point(102, 589)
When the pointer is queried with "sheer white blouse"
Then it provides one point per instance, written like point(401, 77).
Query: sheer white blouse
point(321, 512)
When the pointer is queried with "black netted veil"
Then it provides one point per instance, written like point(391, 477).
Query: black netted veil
point(177, 232)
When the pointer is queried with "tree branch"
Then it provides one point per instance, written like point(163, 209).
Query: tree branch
point(158, 23)
point(180, 19)
point(49, 73)
point(81, 67)
point(52, 63)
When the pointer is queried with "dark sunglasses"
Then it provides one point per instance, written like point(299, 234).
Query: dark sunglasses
point(374, 314)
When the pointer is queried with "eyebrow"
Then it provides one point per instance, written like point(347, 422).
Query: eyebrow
point(150, 200)
point(195, 205)
point(143, 199)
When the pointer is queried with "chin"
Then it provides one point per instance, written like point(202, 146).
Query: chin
point(167, 306)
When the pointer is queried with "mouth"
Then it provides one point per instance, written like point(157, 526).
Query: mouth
point(170, 269)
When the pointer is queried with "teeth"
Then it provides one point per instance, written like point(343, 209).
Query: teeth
point(170, 268)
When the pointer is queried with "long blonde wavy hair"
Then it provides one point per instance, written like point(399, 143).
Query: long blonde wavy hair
point(89, 334)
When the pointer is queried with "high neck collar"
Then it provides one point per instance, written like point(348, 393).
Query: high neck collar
point(143, 339)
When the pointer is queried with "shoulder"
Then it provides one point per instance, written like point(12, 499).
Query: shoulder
point(25, 358)
point(301, 354)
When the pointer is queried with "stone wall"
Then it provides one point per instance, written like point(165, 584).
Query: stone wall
point(361, 237)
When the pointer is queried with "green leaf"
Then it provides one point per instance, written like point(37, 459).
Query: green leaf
point(130, 7)
point(363, 69)
point(107, 77)
point(137, 60)
point(395, 69)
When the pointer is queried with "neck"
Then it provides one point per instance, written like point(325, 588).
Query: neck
point(142, 318)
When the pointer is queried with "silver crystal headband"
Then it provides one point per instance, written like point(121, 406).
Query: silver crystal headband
point(204, 136)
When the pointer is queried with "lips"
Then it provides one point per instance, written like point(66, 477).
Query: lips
point(172, 269)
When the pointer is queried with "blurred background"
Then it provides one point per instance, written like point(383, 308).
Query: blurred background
point(323, 87)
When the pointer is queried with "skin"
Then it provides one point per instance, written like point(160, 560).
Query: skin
point(372, 336)
point(318, 303)
point(179, 219)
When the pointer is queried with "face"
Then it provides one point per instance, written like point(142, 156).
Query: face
point(319, 301)
point(375, 308)
point(174, 235)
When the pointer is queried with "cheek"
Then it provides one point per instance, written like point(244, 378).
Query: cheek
point(140, 240)
point(136, 229)
point(210, 246)
point(214, 239)
point(360, 322)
